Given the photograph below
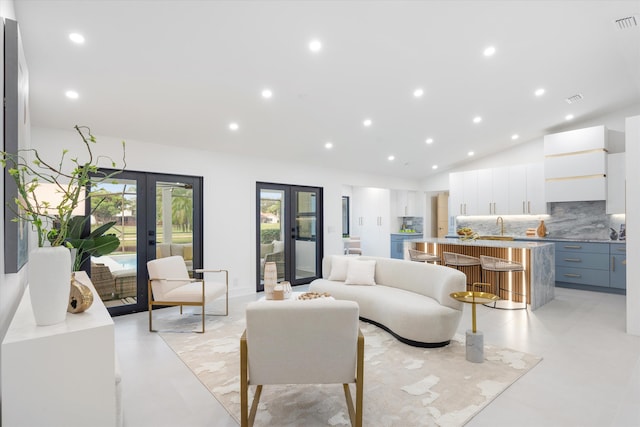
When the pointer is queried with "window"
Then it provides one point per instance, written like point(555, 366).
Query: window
point(345, 216)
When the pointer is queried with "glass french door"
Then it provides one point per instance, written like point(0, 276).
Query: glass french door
point(289, 232)
point(154, 216)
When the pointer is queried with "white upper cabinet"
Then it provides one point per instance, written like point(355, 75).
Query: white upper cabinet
point(407, 203)
point(514, 190)
point(576, 165)
point(575, 141)
point(463, 193)
point(616, 183)
point(526, 189)
point(492, 191)
point(536, 200)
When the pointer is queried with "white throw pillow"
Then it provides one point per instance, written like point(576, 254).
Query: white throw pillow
point(278, 246)
point(361, 272)
point(339, 266)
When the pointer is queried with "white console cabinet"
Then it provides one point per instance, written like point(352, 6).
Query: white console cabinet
point(60, 375)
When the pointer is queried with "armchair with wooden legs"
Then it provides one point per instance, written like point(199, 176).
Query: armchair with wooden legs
point(170, 284)
point(301, 342)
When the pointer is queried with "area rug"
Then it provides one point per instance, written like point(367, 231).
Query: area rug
point(404, 385)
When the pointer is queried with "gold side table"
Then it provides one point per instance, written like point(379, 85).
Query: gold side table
point(474, 338)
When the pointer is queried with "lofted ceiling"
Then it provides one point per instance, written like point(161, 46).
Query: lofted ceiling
point(179, 72)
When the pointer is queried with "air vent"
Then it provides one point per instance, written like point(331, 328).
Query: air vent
point(626, 23)
point(574, 98)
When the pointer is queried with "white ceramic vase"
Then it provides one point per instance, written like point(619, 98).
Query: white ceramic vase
point(49, 284)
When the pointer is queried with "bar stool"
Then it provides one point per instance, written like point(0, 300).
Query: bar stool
point(419, 256)
point(498, 266)
point(459, 260)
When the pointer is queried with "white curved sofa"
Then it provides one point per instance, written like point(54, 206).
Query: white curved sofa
point(410, 299)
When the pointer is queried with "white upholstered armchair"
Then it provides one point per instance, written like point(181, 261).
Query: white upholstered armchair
point(170, 284)
point(301, 342)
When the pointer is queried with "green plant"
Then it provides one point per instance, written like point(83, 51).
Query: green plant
point(269, 235)
point(51, 220)
point(96, 243)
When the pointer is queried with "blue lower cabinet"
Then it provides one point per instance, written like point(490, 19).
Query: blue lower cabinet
point(397, 243)
point(618, 272)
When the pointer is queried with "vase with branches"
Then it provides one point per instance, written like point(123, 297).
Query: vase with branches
point(68, 182)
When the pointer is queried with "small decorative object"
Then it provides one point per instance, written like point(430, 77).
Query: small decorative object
point(541, 231)
point(270, 279)
point(286, 288)
point(80, 297)
point(278, 292)
point(465, 231)
point(314, 295)
point(613, 235)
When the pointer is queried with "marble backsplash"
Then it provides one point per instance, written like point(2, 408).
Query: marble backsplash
point(566, 220)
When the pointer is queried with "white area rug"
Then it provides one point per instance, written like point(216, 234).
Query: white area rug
point(404, 385)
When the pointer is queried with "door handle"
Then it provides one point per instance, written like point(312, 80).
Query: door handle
point(152, 242)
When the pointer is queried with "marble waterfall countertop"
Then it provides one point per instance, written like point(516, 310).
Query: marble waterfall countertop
point(519, 244)
point(540, 272)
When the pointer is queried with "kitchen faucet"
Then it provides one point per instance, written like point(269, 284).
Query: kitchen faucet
point(501, 222)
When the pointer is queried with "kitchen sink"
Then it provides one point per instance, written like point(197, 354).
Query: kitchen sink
point(495, 237)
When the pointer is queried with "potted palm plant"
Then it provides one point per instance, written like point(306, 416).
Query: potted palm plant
point(66, 181)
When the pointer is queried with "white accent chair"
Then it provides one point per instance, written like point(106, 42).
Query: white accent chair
point(301, 342)
point(170, 284)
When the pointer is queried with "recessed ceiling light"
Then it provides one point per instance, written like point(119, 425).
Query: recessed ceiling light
point(429, 141)
point(418, 93)
point(515, 136)
point(477, 119)
point(470, 153)
point(434, 167)
point(315, 45)
point(266, 93)
point(76, 38)
point(391, 158)
point(367, 122)
point(568, 117)
point(328, 145)
point(71, 94)
point(489, 51)
point(539, 92)
point(234, 126)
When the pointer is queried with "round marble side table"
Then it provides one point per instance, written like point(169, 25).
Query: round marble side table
point(474, 338)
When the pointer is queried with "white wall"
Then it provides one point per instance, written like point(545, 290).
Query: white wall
point(633, 225)
point(229, 192)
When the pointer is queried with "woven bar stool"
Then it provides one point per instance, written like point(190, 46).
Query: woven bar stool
point(498, 266)
point(419, 256)
point(460, 260)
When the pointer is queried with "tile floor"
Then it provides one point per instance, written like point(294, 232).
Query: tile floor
point(590, 375)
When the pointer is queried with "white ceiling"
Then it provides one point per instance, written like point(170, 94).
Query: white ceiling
point(178, 72)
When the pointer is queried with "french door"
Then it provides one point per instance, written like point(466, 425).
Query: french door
point(289, 232)
point(154, 215)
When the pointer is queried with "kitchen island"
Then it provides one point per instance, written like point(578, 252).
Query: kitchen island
point(537, 284)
